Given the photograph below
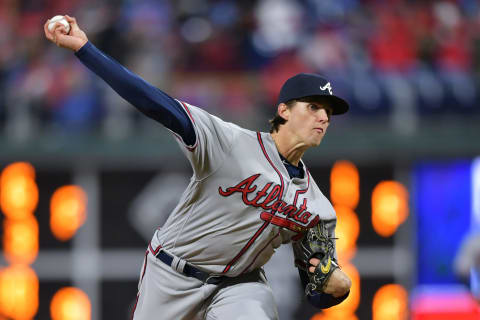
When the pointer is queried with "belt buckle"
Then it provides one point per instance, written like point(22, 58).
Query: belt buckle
point(212, 279)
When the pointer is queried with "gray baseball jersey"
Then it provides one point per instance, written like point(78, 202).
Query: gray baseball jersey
point(241, 203)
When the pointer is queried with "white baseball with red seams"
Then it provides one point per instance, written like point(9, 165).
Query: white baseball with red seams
point(239, 206)
point(61, 19)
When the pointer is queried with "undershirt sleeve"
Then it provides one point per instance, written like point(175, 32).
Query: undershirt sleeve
point(320, 300)
point(149, 100)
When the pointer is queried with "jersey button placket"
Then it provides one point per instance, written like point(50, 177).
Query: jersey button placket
point(288, 193)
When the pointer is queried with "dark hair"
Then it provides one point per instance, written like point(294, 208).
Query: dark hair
point(277, 121)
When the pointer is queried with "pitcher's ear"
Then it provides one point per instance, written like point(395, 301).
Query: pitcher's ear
point(283, 111)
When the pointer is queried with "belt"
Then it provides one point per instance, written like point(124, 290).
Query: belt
point(191, 271)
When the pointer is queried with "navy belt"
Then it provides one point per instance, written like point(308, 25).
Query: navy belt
point(191, 271)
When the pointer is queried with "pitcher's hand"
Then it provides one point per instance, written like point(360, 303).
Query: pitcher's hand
point(73, 40)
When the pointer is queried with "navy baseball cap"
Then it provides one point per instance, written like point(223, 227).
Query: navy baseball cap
point(306, 85)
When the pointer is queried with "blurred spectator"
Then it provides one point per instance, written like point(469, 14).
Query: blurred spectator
point(452, 37)
point(393, 47)
point(325, 51)
point(434, 46)
point(279, 25)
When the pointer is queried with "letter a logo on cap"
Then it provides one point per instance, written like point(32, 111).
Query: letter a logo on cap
point(327, 86)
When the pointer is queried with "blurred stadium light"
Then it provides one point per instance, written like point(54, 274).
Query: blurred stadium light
point(19, 292)
point(20, 240)
point(18, 191)
point(345, 186)
point(68, 211)
point(70, 304)
point(390, 302)
point(389, 207)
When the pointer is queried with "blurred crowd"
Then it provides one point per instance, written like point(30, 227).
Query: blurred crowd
point(231, 57)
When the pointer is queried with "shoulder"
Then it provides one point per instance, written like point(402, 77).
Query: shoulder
point(198, 114)
point(245, 132)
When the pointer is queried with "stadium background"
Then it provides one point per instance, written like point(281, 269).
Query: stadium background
point(408, 68)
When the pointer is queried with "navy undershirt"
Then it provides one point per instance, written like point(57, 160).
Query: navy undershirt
point(159, 106)
point(293, 171)
point(150, 100)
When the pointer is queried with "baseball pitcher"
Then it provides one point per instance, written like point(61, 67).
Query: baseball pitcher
point(249, 193)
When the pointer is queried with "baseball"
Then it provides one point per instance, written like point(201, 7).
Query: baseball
point(60, 19)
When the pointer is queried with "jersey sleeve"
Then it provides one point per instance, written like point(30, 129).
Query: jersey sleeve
point(214, 140)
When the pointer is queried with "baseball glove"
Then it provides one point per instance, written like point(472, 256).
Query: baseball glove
point(317, 244)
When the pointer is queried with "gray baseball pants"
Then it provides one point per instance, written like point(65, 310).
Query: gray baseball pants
point(166, 294)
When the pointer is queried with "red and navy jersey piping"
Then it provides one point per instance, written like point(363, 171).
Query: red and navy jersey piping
point(189, 148)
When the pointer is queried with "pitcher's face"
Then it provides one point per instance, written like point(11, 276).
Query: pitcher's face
point(308, 122)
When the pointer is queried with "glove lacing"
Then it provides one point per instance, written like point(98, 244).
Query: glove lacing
point(311, 288)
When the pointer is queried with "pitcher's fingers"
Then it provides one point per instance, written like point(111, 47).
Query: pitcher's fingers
point(73, 22)
point(59, 26)
point(60, 32)
point(314, 261)
point(48, 34)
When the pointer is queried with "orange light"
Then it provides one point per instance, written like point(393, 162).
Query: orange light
point(18, 190)
point(389, 207)
point(347, 231)
point(67, 211)
point(390, 302)
point(20, 240)
point(23, 169)
point(70, 304)
point(345, 184)
point(330, 316)
point(349, 305)
point(18, 292)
